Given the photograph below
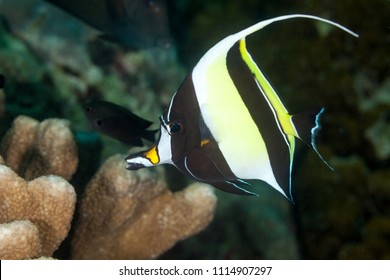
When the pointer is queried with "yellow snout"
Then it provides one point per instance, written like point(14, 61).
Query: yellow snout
point(152, 155)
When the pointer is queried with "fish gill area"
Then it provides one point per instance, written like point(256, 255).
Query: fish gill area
point(49, 156)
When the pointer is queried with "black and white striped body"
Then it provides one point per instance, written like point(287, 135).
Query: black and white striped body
point(226, 124)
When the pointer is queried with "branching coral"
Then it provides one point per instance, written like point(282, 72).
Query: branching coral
point(34, 149)
point(44, 205)
point(123, 215)
point(132, 215)
point(19, 240)
point(47, 202)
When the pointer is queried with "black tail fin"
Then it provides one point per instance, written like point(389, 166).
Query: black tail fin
point(307, 125)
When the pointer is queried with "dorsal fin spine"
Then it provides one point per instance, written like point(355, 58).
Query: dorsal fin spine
point(262, 24)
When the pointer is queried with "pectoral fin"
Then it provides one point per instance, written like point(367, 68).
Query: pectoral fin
point(200, 166)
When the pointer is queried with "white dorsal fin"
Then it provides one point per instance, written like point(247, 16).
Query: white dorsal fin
point(264, 23)
point(223, 46)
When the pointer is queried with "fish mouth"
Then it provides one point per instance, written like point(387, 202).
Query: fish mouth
point(134, 166)
point(134, 162)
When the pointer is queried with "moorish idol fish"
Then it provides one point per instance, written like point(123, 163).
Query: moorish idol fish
point(118, 122)
point(226, 124)
point(132, 23)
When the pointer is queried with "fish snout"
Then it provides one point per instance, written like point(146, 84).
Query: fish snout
point(143, 159)
point(134, 166)
point(136, 161)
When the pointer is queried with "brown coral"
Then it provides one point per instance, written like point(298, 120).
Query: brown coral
point(19, 240)
point(132, 215)
point(48, 202)
point(124, 214)
point(34, 149)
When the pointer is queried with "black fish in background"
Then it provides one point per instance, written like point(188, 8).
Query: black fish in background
point(118, 122)
point(132, 23)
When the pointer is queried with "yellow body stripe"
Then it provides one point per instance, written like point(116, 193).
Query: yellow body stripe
point(228, 118)
point(283, 116)
point(231, 124)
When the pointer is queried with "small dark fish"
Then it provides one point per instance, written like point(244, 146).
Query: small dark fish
point(118, 122)
point(132, 23)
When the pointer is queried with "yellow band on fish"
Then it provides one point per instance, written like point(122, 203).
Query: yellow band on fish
point(152, 155)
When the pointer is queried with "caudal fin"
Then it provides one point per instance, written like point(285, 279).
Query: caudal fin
point(307, 125)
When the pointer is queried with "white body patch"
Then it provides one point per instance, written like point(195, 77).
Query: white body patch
point(164, 147)
point(228, 119)
point(226, 115)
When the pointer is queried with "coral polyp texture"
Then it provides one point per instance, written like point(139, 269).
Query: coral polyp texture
point(124, 215)
point(33, 148)
point(133, 215)
point(37, 205)
point(44, 205)
point(19, 239)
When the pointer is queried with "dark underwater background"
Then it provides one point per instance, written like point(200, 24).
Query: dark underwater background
point(53, 63)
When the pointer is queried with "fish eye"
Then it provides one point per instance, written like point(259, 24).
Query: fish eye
point(175, 127)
